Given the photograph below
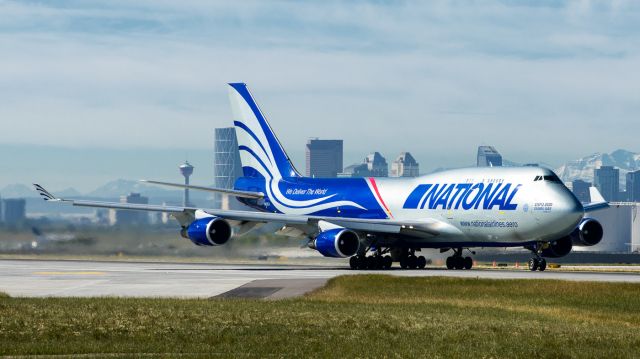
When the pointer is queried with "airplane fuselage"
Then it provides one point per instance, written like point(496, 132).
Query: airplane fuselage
point(496, 206)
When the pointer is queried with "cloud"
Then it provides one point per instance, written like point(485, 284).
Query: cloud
point(542, 81)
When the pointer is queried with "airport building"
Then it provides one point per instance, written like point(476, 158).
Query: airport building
point(621, 225)
point(405, 166)
point(488, 156)
point(323, 158)
point(580, 188)
point(633, 186)
point(226, 166)
point(13, 211)
point(607, 181)
point(125, 217)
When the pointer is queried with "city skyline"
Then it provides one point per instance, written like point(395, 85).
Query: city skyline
point(138, 78)
point(156, 164)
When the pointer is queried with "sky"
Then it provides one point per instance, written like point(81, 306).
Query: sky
point(92, 91)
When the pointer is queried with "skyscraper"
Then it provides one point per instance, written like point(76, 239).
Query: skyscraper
point(226, 165)
point(14, 210)
point(607, 180)
point(580, 188)
point(377, 165)
point(356, 170)
point(633, 186)
point(404, 166)
point(374, 165)
point(488, 156)
point(324, 158)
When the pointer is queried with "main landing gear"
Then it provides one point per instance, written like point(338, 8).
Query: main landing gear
point(457, 261)
point(376, 261)
point(537, 262)
point(381, 260)
point(410, 261)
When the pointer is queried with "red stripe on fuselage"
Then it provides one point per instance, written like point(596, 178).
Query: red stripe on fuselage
point(377, 193)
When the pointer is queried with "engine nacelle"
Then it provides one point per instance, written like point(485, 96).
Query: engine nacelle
point(337, 243)
point(588, 233)
point(208, 231)
point(558, 248)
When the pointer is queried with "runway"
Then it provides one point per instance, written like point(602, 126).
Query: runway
point(70, 278)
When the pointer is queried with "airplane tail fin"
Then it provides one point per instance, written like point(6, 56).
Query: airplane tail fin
point(597, 201)
point(261, 153)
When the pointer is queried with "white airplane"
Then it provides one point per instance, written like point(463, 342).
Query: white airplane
point(378, 221)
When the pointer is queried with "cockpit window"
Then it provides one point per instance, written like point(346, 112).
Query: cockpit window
point(552, 178)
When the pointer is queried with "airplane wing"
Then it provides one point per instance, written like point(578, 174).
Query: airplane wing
point(309, 223)
point(232, 192)
point(597, 201)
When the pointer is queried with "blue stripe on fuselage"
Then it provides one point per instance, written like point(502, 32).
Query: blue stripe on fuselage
point(304, 189)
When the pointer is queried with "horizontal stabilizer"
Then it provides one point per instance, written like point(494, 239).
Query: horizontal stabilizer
point(597, 201)
point(231, 192)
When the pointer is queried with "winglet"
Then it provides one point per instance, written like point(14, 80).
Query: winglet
point(44, 193)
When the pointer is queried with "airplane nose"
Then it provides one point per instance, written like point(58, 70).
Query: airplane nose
point(570, 207)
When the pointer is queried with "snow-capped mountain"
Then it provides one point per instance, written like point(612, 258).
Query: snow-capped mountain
point(583, 168)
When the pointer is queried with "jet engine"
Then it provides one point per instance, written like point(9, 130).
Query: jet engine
point(337, 242)
point(558, 248)
point(588, 233)
point(208, 231)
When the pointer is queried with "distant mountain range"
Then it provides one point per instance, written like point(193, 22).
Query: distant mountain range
point(583, 168)
point(17, 191)
point(112, 189)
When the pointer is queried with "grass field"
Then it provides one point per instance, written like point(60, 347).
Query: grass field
point(353, 316)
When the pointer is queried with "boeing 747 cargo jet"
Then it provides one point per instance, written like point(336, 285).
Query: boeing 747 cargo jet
point(378, 221)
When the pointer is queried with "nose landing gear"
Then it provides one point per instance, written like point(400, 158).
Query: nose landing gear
point(537, 262)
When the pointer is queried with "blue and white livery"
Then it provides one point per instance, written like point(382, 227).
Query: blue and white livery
point(378, 221)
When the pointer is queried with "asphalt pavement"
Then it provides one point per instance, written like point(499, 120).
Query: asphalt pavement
point(80, 278)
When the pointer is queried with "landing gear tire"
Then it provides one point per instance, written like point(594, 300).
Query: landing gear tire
point(404, 262)
point(353, 262)
point(387, 262)
point(450, 263)
point(371, 263)
point(468, 262)
point(459, 262)
point(421, 262)
point(533, 264)
point(412, 262)
point(542, 264)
